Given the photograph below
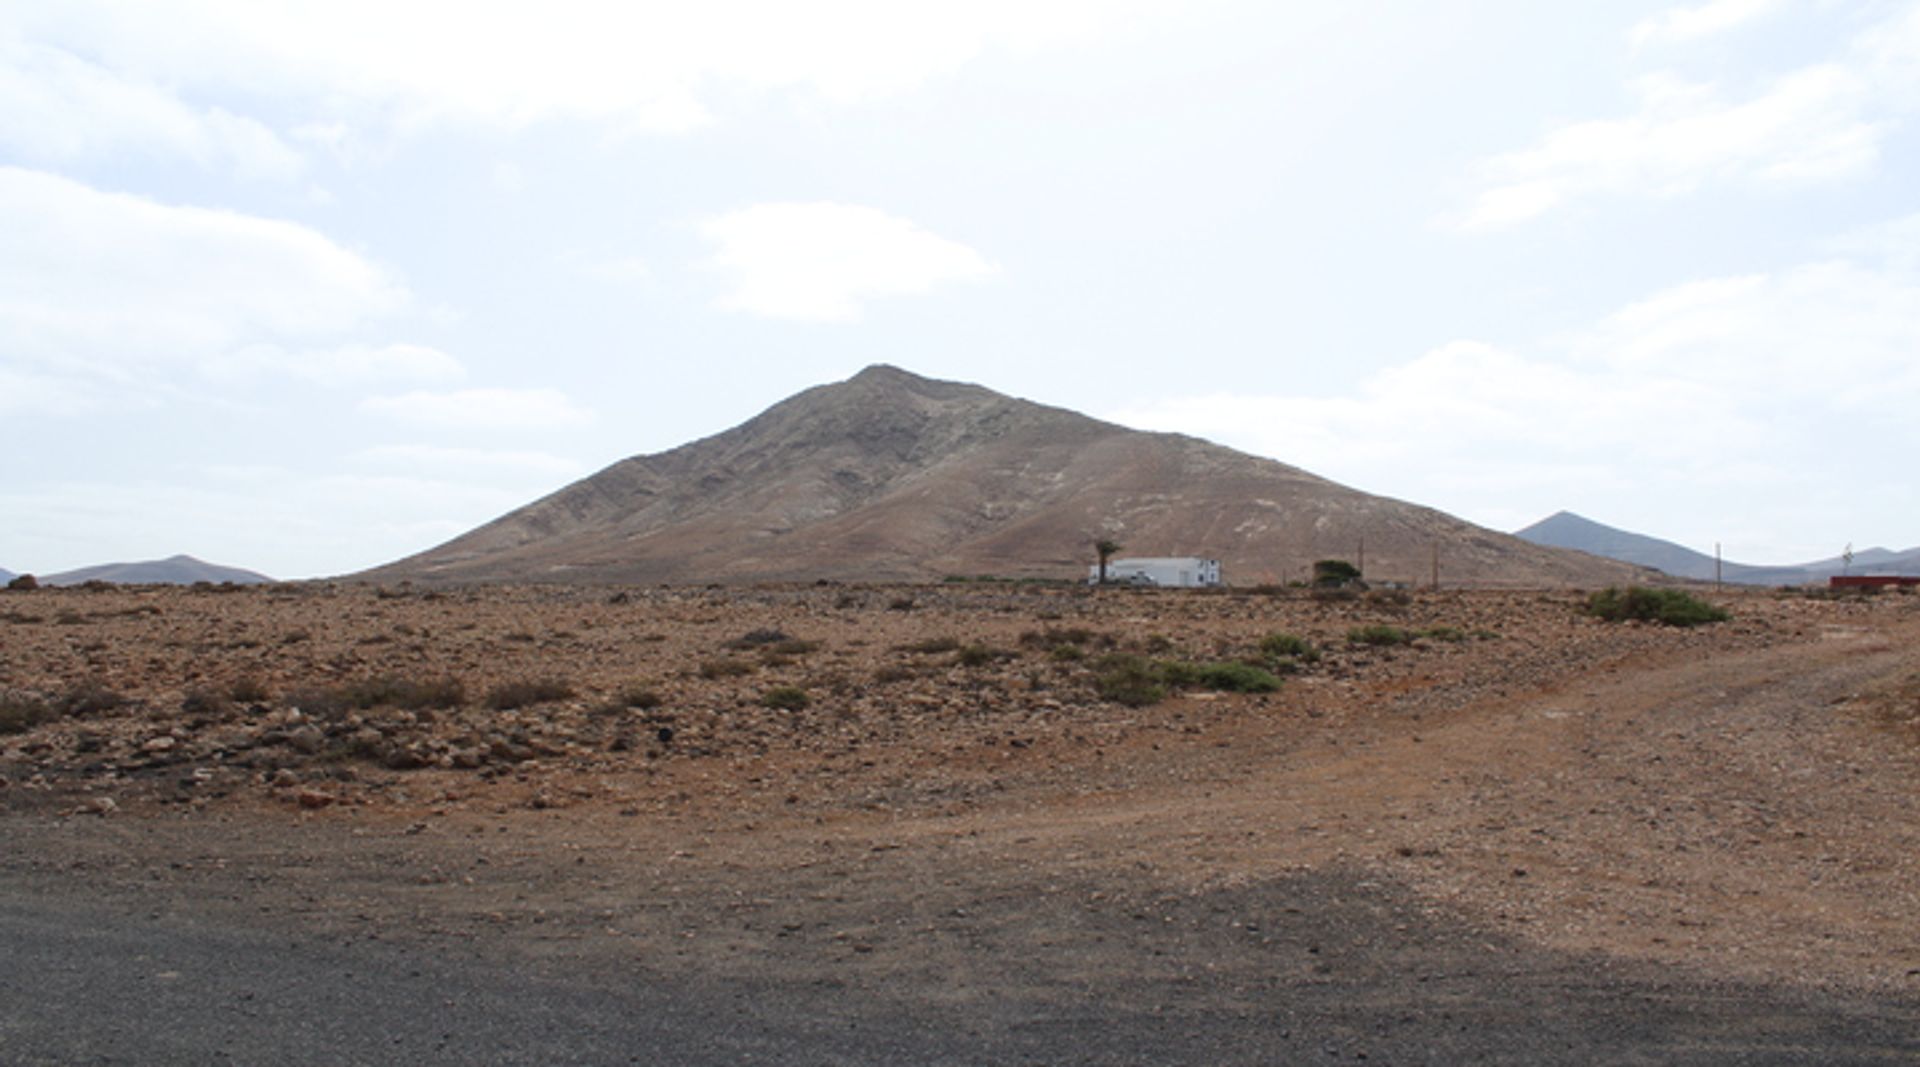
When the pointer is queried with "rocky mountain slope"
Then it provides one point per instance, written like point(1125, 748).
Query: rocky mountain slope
point(891, 476)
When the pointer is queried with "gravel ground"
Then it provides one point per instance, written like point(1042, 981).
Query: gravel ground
point(1525, 837)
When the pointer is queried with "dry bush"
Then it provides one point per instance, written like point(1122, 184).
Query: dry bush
point(725, 667)
point(786, 698)
point(527, 691)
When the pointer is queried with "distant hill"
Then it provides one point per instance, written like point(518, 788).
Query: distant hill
point(1566, 530)
point(174, 570)
point(7, 575)
point(891, 476)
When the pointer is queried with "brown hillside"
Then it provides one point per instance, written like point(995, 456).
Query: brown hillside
point(890, 476)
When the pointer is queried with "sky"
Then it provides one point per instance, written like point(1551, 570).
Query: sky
point(306, 288)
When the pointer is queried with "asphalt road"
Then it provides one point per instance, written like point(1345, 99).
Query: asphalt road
point(87, 982)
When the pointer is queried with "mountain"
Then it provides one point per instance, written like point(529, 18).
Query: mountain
point(7, 575)
point(174, 570)
point(891, 476)
point(1566, 530)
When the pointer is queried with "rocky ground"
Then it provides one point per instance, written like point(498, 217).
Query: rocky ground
point(965, 796)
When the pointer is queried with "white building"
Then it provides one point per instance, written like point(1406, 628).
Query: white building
point(1160, 570)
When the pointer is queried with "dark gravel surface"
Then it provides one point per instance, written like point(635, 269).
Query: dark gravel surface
point(1310, 968)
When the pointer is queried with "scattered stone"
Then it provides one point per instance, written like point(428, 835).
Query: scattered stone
point(314, 799)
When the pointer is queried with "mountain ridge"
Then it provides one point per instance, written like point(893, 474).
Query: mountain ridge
point(1565, 529)
point(179, 569)
point(890, 476)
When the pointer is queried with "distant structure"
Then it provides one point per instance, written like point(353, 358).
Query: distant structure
point(1870, 581)
point(1174, 571)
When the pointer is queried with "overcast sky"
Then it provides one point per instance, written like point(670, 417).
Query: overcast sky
point(308, 287)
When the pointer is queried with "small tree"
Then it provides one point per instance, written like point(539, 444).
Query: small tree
point(1332, 573)
point(1106, 547)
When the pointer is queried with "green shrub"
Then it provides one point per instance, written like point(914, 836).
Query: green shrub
point(1672, 607)
point(1130, 680)
point(1237, 678)
point(1334, 572)
point(1379, 636)
point(510, 695)
point(786, 698)
point(1290, 646)
point(1449, 634)
point(1137, 681)
point(932, 645)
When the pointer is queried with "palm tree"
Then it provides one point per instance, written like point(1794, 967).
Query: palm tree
point(1106, 548)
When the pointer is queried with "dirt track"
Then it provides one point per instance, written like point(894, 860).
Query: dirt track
point(1567, 843)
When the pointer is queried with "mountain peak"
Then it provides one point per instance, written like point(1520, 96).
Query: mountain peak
point(891, 476)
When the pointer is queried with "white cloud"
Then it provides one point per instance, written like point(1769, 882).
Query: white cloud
point(620, 270)
point(56, 107)
point(822, 261)
point(1682, 24)
point(1821, 123)
point(481, 408)
point(100, 277)
point(469, 461)
point(642, 67)
point(1814, 125)
point(289, 526)
point(344, 366)
point(1772, 396)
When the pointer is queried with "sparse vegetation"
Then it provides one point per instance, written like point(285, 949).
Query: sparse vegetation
point(1672, 607)
point(639, 696)
point(1291, 646)
point(980, 655)
point(1449, 634)
point(758, 638)
point(249, 690)
point(1380, 635)
point(1054, 637)
point(786, 698)
point(1137, 681)
point(91, 698)
point(205, 702)
point(20, 712)
point(725, 667)
point(1334, 574)
point(1134, 681)
point(387, 691)
point(526, 692)
point(932, 645)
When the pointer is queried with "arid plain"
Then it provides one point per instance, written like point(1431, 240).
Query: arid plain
point(954, 798)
